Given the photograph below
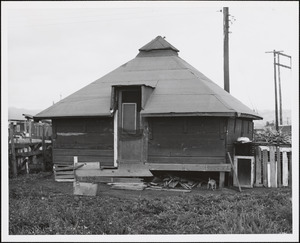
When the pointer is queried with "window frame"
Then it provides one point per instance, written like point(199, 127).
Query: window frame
point(135, 116)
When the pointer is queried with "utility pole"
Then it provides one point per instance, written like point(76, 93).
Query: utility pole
point(279, 87)
point(285, 66)
point(226, 48)
point(278, 64)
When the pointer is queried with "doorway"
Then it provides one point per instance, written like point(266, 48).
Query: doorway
point(130, 132)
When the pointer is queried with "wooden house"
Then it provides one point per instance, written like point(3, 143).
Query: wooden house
point(155, 112)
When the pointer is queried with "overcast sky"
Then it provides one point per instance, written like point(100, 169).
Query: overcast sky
point(53, 49)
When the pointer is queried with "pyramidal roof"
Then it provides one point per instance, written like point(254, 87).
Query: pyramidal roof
point(178, 89)
point(158, 43)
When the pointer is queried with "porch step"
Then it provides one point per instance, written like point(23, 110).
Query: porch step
point(63, 172)
point(107, 179)
point(129, 170)
point(106, 167)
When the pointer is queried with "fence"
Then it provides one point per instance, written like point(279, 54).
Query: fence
point(273, 166)
point(27, 153)
point(32, 129)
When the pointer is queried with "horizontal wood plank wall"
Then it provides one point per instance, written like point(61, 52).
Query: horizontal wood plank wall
point(190, 140)
point(90, 139)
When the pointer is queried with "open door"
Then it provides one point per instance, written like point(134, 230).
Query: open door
point(130, 132)
point(244, 167)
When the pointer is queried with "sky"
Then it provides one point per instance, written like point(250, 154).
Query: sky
point(54, 49)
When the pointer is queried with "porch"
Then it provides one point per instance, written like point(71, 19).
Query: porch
point(93, 169)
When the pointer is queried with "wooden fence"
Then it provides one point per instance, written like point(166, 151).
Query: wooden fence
point(32, 129)
point(273, 166)
point(28, 153)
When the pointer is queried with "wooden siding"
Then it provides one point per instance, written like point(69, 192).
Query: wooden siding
point(186, 140)
point(91, 139)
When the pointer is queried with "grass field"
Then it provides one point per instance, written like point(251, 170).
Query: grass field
point(40, 206)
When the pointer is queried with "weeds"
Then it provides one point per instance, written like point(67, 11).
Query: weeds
point(44, 211)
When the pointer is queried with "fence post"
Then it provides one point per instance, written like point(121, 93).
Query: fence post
point(290, 170)
point(265, 167)
point(273, 176)
point(285, 170)
point(13, 150)
point(258, 166)
point(279, 176)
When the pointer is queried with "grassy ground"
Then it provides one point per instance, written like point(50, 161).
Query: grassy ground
point(38, 205)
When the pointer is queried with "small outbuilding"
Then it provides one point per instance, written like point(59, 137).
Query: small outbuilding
point(155, 112)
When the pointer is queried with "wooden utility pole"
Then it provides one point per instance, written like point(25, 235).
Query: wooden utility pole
point(279, 53)
point(277, 63)
point(226, 48)
point(275, 84)
point(279, 87)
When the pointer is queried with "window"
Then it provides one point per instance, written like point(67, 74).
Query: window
point(129, 117)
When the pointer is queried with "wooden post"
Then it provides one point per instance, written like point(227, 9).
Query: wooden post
point(273, 175)
point(116, 139)
point(279, 175)
point(279, 88)
point(44, 148)
point(290, 170)
point(258, 166)
point(234, 172)
point(265, 168)
point(27, 168)
point(13, 150)
point(285, 171)
point(226, 48)
point(30, 131)
point(221, 179)
point(276, 99)
point(75, 162)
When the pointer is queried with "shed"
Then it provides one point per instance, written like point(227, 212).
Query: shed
point(155, 112)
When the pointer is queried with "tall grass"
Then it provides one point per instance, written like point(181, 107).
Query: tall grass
point(40, 211)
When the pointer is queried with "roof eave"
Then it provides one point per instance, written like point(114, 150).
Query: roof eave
point(251, 116)
point(38, 118)
point(180, 114)
point(213, 114)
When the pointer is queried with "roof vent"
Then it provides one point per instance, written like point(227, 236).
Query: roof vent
point(159, 43)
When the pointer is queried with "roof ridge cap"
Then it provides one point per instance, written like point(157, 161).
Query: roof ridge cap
point(163, 45)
